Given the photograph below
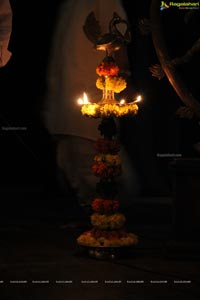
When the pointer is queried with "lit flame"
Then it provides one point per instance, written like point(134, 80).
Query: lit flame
point(122, 101)
point(83, 100)
point(80, 101)
point(138, 99)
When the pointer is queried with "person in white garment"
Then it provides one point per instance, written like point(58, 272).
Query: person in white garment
point(5, 31)
point(72, 64)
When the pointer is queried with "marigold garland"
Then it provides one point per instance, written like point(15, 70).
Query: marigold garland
point(108, 234)
point(105, 205)
point(103, 221)
point(107, 146)
point(114, 83)
point(108, 110)
point(108, 224)
point(107, 69)
point(105, 171)
point(109, 159)
point(107, 239)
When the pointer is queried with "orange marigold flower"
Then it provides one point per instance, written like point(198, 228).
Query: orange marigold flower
point(107, 69)
point(105, 171)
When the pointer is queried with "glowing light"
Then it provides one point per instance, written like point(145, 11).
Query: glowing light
point(83, 100)
point(122, 101)
point(138, 99)
point(80, 101)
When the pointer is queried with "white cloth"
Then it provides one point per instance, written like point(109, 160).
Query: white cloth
point(5, 31)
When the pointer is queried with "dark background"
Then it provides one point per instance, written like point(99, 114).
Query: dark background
point(27, 157)
point(30, 191)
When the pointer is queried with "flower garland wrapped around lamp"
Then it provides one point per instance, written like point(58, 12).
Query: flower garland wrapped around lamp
point(108, 225)
point(110, 83)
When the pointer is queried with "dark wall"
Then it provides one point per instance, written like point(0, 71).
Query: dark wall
point(26, 153)
point(157, 129)
point(27, 156)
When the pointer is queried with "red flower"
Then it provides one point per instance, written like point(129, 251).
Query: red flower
point(97, 205)
point(107, 69)
point(105, 205)
point(105, 172)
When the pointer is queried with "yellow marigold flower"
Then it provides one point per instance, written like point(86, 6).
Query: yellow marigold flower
point(109, 159)
point(113, 83)
point(115, 110)
point(116, 84)
point(91, 110)
point(114, 221)
point(113, 159)
point(100, 83)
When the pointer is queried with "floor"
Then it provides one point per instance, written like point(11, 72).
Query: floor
point(39, 259)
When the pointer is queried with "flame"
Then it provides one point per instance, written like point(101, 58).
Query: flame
point(80, 101)
point(138, 99)
point(122, 101)
point(83, 100)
